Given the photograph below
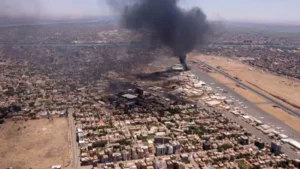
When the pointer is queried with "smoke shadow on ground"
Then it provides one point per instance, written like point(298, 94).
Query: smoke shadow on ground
point(157, 76)
point(118, 85)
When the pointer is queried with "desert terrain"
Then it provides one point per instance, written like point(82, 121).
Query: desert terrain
point(28, 144)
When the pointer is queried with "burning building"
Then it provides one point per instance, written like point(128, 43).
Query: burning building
point(178, 29)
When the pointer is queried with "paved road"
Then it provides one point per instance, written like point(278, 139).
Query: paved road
point(50, 23)
point(205, 77)
point(252, 109)
point(285, 108)
point(286, 148)
point(75, 151)
point(120, 44)
point(252, 45)
point(249, 107)
point(44, 44)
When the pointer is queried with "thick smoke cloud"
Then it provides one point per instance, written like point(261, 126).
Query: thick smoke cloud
point(176, 28)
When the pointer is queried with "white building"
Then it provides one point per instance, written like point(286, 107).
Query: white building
point(170, 149)
point(161, 150)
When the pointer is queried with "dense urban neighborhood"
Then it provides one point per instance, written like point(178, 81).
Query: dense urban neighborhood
point(125, 108)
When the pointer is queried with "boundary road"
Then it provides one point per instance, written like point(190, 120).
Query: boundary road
point(75, 155)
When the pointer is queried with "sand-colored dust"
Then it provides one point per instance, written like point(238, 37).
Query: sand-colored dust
point(288, 119)
point(249, 95)
point(278, 113)
point(221, 78)
point(34, 144)
point(262, 81)
point(286, 88)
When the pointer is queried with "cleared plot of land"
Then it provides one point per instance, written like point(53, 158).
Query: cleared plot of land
point(37, 144)
point(250, 96)
point(285, 88)
point(221, 78)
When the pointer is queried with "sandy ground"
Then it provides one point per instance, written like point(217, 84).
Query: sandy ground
point(221, 78)
point(288, 119)
point(283, 87)
point(36, 144)
point(250, 96)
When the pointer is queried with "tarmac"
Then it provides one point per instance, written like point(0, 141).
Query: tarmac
point(251, 108)
point(74, 145)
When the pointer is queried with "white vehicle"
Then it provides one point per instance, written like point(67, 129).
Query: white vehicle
point(56, 167)
point(177, 67)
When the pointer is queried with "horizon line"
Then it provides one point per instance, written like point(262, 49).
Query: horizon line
point(95, 19)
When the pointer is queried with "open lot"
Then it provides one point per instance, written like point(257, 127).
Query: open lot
point(36, 144)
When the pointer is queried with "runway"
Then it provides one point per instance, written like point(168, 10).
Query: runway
point(251, 109)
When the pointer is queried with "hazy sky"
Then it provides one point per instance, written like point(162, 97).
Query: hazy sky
point(248, 10)
point(251, 10)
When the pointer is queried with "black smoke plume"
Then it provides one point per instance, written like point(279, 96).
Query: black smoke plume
point(176, 28)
